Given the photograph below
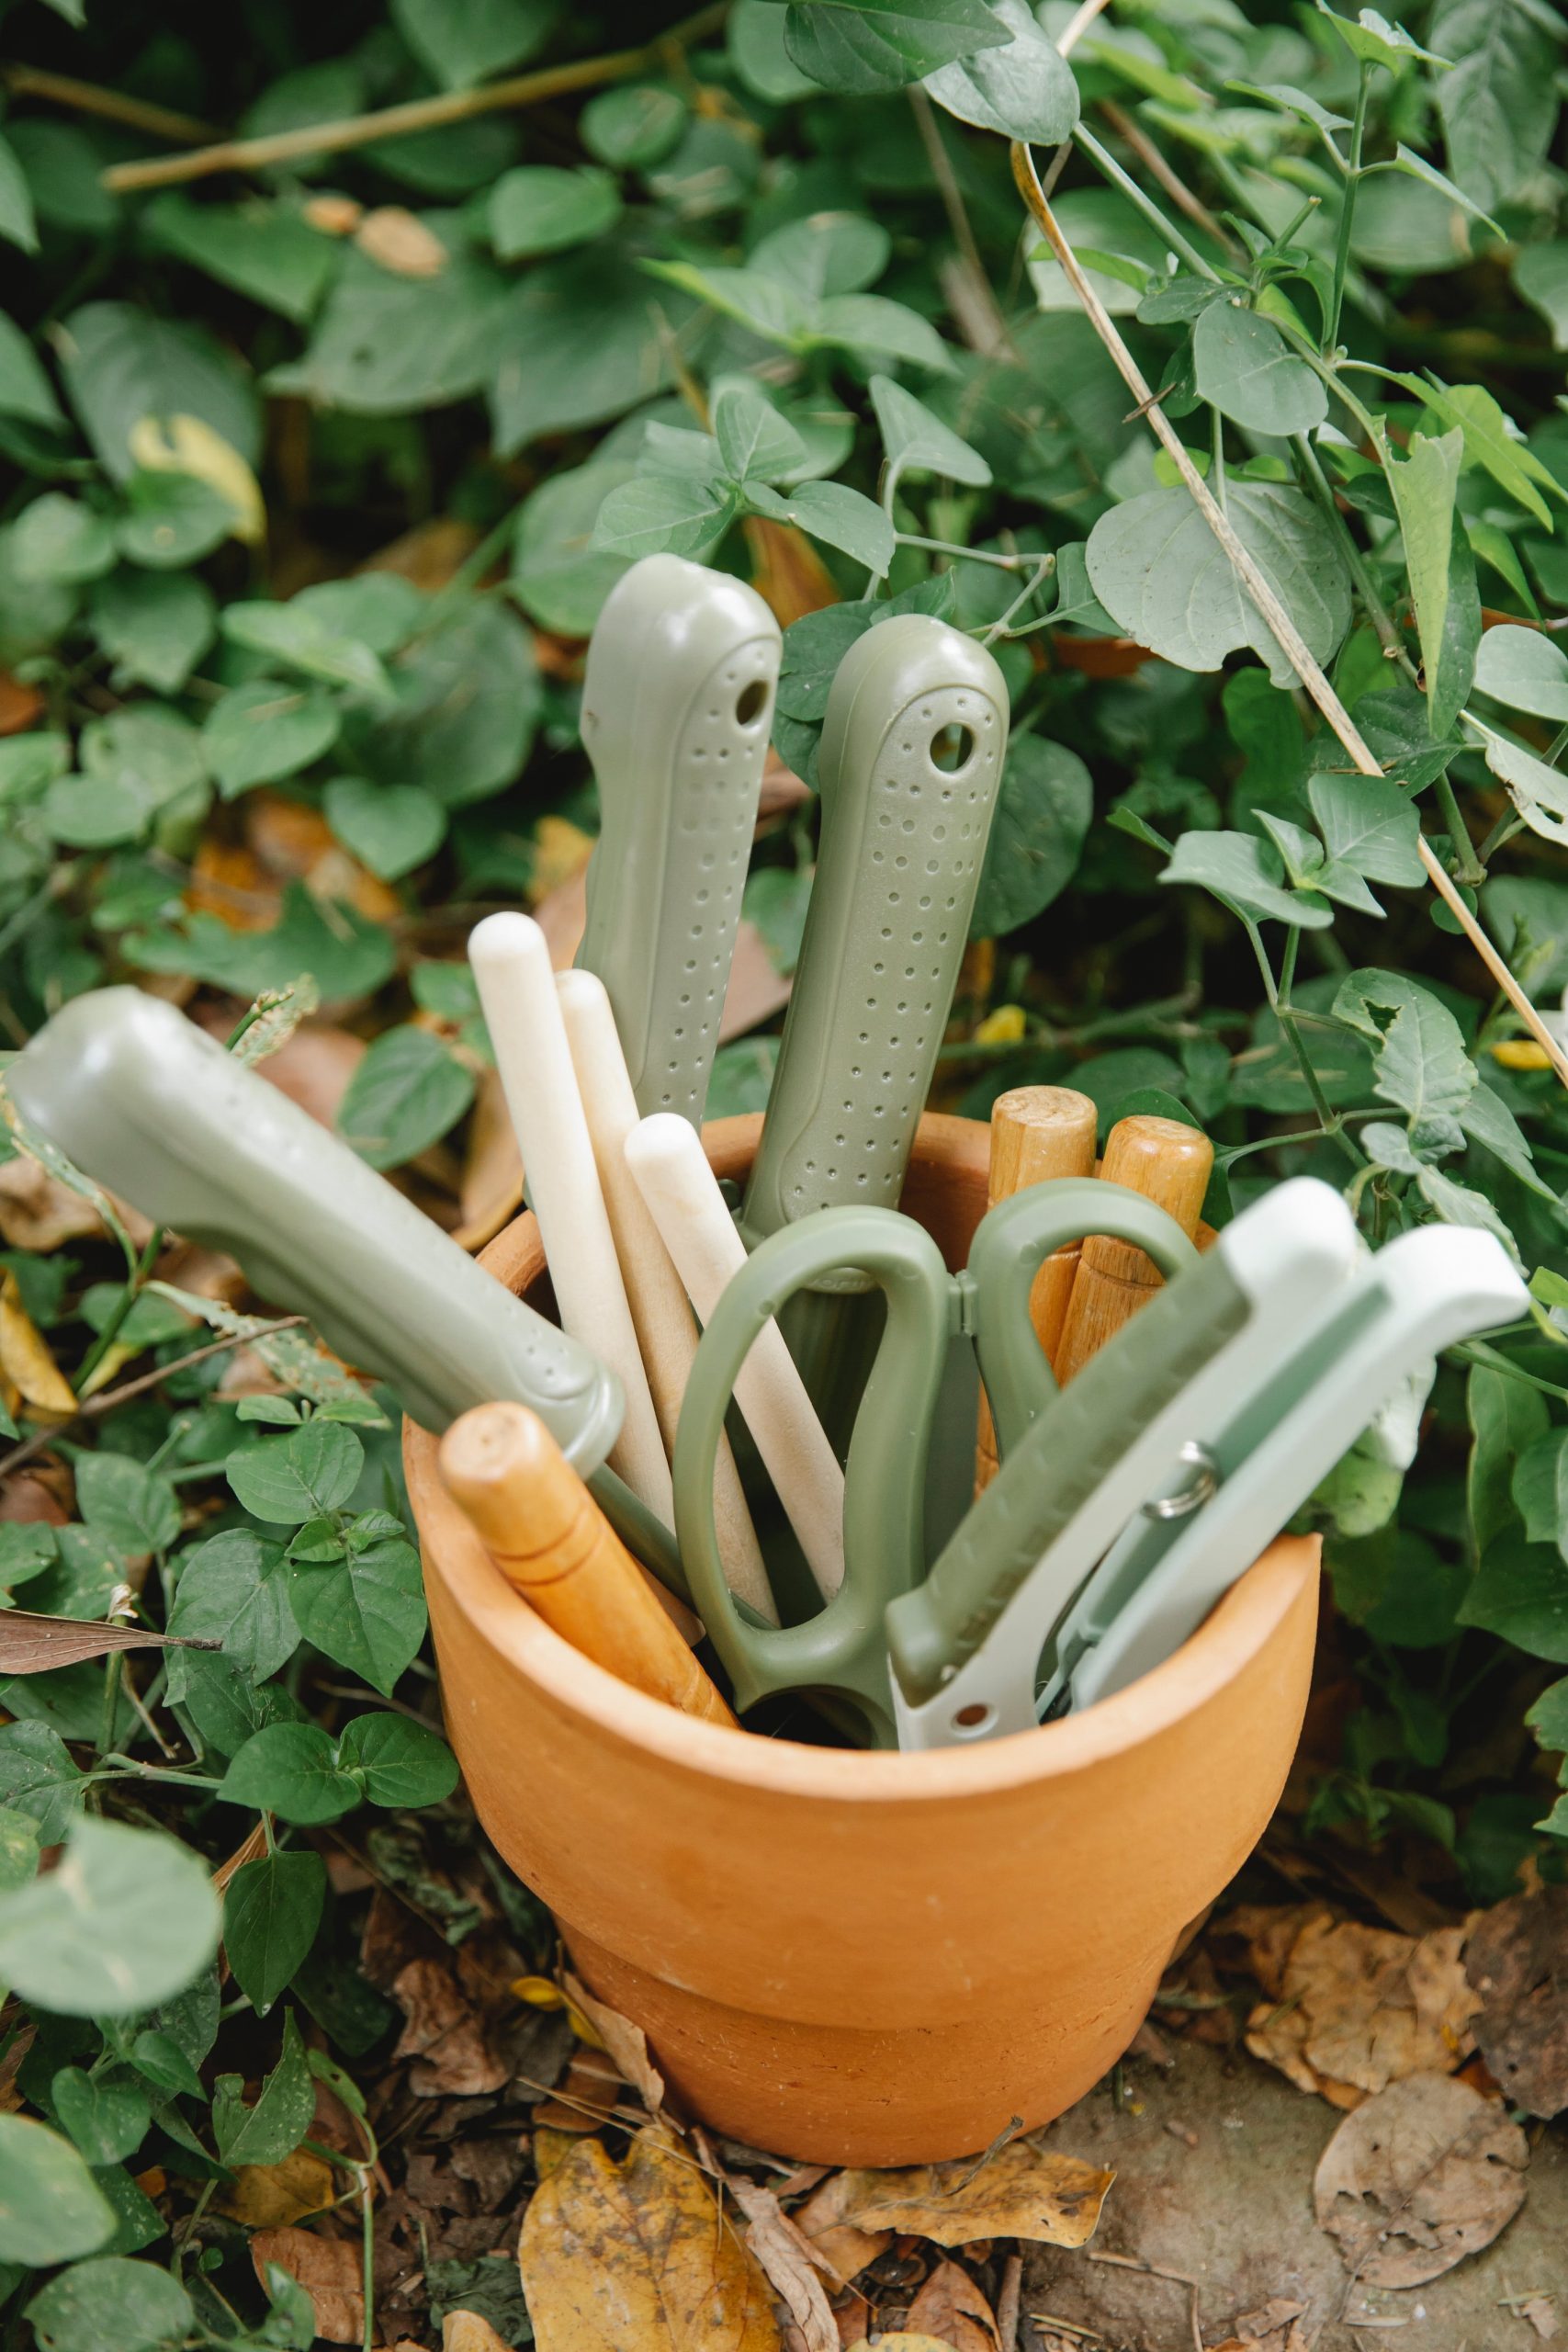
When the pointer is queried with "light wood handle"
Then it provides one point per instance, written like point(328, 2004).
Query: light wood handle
point(684, 1199)
point(549, 1539)
point(667, 1335)
point(512, 964)
point(1169, 1164)
point(1037, 1133)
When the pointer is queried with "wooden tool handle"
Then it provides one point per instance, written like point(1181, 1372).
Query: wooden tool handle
point(1169, 1164)
point(548, 1538)
point(1037, 1133)
point(666, 1332)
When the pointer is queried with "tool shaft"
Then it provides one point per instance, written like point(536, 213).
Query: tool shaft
point(1169, 1164)
point(1038, 1133)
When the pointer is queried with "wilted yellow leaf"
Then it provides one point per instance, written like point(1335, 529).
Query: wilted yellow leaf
point(639, 2255)
point(466, 2332)
point(605, 2028)
point(25, 1358)
point(271, 2197)
point(1520, 1053)
point(901, 2341)
point(1005, 1026)
point(1020, 2192)
point(186, 445)
point(561, 849)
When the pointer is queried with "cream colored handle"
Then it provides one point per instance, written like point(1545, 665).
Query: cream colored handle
point(666, 1333)
point(684, 1199)
point(512, 964)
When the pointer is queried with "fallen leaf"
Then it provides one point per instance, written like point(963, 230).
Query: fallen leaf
point(36, 1497)
point(626, 2044)
point(1020, 2192)
point(1518, 1961)
point(25, 1358)
point(561, 851)
point(444, 2035)
point(19, 704)
point(639, 2255)
point(429, 554)
point(786, 571)
point(1276, 2328)
point(791, 2263)
point(561, 914)
point(586, 2095)
point(329, 2271)
point(37, 1212)
point(250, 1851)
point(551, 2149)
point(1361, 2007)
point(756, 989)
point(315, 1068)
point(188, 444)
point(397, 240)
point(33, 1645)
point(845, 2249)
point(466, 2332)
point(269, 2196)
point(950, 2307)
point(900, 2341)
point(492, 1169)
point(1541, 2314)
point(228, 880)
point(1420, 2175)
point(1269, 1932)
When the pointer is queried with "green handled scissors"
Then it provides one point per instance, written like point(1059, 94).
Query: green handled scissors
point(842, 1652)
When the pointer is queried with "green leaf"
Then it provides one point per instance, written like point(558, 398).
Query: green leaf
point(290, 1768)
point(1540, 273)
point(405, 1094)
point(1417, 167)
point(137, 1510)
point(557, 577)
point(111, 2305)
point(234, 1588)
point(273, 2125)
point(1525, 670)
point(1037, 835)
point(1156, 567)
point(538, 209)
point(1423, 490)
point(265, 250)
point(271, 1912)
point(1541, 1490)
point(468, 703)
point(661, 514)
point(402, 1764)
point(1240, 867)
point(347, 955)
point(753, 438)
point(1372, 40)
point(1521, 1592)
point(154, 626)
point(1498, 105)
point(263, 731)
point(1492, 440)
point(57, 538)
point(366, 1612)
point(299, 638)
point(20, 1849)
point(108, 2118)
point(123, 364)
point(633, 127)
point(24, 390)
point(465, 41)
point(128, 1917)
point(1371, 825)
point(391, 828)
point(1539, 791)
point(385, 343)
point(754, 37)
point(52, 2209)
point(1243, 365)
point(1507, 1418)
point(1024, 91)
point(869, 323)
point(171, 519)
point(1419, 1060)
point(1549, 1718)
point(862, 47)
point(18, 225)
point(832, 511)
point(40, 1778)
point(579, 341)
point(288, 1480)
point(915, 442)
point(825, 253)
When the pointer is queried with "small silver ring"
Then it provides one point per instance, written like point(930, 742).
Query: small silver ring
point(1199, 1489)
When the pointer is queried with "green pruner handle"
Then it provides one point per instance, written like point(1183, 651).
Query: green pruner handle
point(842, 1650)
point(676, 708)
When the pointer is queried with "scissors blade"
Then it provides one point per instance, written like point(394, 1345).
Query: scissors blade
point(1425, 1292)
point(965, 1645)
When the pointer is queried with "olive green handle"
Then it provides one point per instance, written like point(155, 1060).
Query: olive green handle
point(676, 708)
point(842, 1650)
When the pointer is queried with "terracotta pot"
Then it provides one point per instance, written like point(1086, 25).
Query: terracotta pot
point(859, 1958)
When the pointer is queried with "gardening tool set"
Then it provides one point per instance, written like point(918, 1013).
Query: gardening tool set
point(938, 1506)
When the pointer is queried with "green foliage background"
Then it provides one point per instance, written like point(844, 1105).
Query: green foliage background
point(762, 292)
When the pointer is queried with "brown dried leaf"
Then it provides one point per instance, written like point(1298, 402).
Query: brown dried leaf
point(782, 788)
point(268, 2196)
point(37, 1212)
point(429, 554)
point(492, 1172)
point(1541, 2314)
point(19, 704)
point(31, 1644)
point(639, 2255)
point(313, 1068)
point(1269, 1932)
point(1418, 2177)
point(588, 2092)
point(950, 2307)
point(901, 2341)
point(626, 2043)
point(846, 2250)
point(791, 2262)
point(466, 2332)
point(444, 2035)
point(1276, 2328)
point(1020, 2192)
point(757, 989)
point(1361, 2007)
point(25, 1358)
point(329, 2270)
point(1518, 1961)
point(397, 240)
point(786, 571)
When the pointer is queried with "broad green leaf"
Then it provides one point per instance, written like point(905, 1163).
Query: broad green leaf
point(366, 1612)
point(1240, 867)
point(1156, 567)
point(380, 609)
point(1243, 365)
point(40, 1778)
point(1505, 1419)
point(273, 2125)
point(172, 518)
point(633, 127)
point(1372, 40)
point(1525, 670)
point(862, 47)
point(870, 324)
point(18, 225)
point(1539, 791)
point(1372, 825)
point(660, 514)
point(754, 37)
point(1037, 835)
point(383, 344)
point(154, 626)
point(581, 339)
point(299, 638)
point(1492, 440)
point(915, 442)
point(266, 730)
point(290, 1768)
point(52, 2209)
point(127, 1917)
point(1285, 96)
point(1417, 167)
point(771, 307)
point(1488, 1122)
point(753, 438)
point(107, 2116)
point(1120, 253)
point(1419, 1058)
point(234, 1588)
point(24, 1552)
point(288, 1480)
point(19, 1848)
point(826, 252)
point(391, 828)
point(112, 2305)
point(402, 1764)
point(346, 955)
point(24, 390)
point(539, 209)
point(1549, 1718)
point(1540, 273)
point(1541, 1490)
point(556, 576)
point(57, 538)
point(265, 249)
point(1521, 1593)
point(1424, 488)
point(271, 1911)
point(325, 93)
point(468, 703)
point(1498, 105)
point(405, 1094)
point(1024, 91)
point(465, 41)
point(136, 1509)
point(845, 518)
point(121, 364)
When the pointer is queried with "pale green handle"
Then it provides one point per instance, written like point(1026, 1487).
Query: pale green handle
point(676, 708)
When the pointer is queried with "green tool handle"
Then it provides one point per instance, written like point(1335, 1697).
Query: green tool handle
point(842, 1650)
point(1068, 1451)
point(676, 706)
point(148, 1104)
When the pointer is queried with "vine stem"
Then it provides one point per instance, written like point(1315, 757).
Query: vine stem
point(113, 105)
point(1347, 205)
point(1262, 594)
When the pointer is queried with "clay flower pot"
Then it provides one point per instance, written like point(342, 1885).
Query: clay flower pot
point(857, 1958)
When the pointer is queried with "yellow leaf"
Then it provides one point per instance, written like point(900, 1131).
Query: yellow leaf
point(184, 445)
point(561, 849)
point(1521, 1053)
point(1020, 2192)
point(539, 1992)
point(1005, 1026)
point(639, 2255)
point(271, 2197)
point(466, 2332)
point(901, 2342)
point(25, 1358)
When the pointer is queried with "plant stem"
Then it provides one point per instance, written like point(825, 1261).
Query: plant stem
point(1347, 208)
point(1376, 610)
point(1105, 164)
point(138, 1388)
point(131, 1290)
point(968, 555)
point(1467, 869)
point(112, 106)
point(1217, 442)
point(1046, 565)
point(958, 219)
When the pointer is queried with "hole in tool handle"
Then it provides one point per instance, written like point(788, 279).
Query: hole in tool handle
point(1204, 1483)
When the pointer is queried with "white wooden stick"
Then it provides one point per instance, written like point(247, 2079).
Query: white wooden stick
point(665, 1330)
point(684, 1199)
point(517, 990)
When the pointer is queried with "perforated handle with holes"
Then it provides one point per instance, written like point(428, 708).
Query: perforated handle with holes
point(910, 762)
point(676, 708)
